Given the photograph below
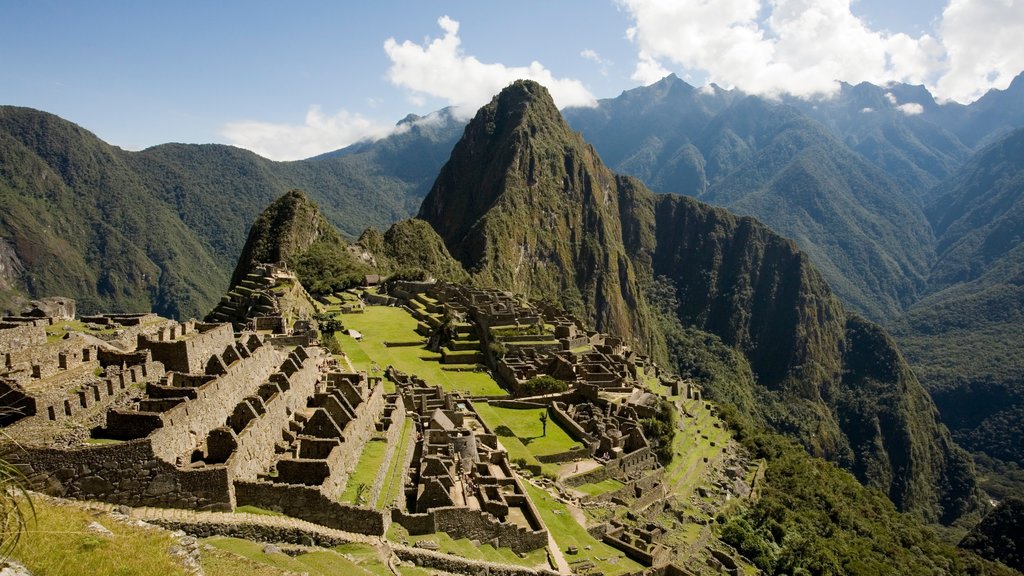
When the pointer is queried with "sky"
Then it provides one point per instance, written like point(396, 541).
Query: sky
point(290, 80)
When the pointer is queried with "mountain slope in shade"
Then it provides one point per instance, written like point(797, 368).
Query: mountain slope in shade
point(964, 338)
point(865, 232)
point(524, 196)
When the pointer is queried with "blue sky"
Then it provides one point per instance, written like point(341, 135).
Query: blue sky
point(289, 80)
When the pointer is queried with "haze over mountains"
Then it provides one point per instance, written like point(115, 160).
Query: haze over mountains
point(907, 208)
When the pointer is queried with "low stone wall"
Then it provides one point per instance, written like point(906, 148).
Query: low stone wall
point(460, 522)
point(638, 460)
point(125, 473)
point(253, 532)
point(309, 503)
point(456, 565)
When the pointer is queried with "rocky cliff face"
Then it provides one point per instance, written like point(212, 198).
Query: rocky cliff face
point(526, 205)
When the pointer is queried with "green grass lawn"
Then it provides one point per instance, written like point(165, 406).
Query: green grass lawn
point(347, 560)
point(597, 488)
point(370, 461)
point(380, 324)
point(527, 427)
point(394, 482)
point(568, 532)
point(464, 548)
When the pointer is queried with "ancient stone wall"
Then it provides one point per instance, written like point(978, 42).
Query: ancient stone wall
point(125, 473)
point(14, 337)
point(357, 432)
point(188, 346)
point(309, 503)
point(455, 565)
point(255, 444)
point(393, 437)
point(459, 522)
point(187, 423)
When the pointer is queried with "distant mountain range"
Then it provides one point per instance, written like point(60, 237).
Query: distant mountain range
point(160, 229)
point(908, 209)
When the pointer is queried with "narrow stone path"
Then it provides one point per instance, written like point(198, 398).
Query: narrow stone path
point(556, 555)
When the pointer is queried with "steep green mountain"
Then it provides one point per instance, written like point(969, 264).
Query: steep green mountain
point(964, 338)
point(771, 160)
point(80, 222)
point(293, 230)
point(1000, 535)
point(523, 196)
point(411, 247)
point(160, 229)
point(525, 204)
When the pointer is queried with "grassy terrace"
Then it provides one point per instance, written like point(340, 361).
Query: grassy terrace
point(464, 548)
point(597, 488)
point(395, 480)
point(57, 542)
point(380, 324)
point(370, 461)
point(527, 429)
point(568, 532)
point(346, 560)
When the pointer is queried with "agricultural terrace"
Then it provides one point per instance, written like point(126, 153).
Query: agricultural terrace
point(383, 325)
point(521, 433)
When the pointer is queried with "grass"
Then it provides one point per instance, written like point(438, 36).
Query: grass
point(598, 488)
point(380, 324)
point(249, 509)
point(370, 461)
point(568, 532)
point(464, 548)
point(690, 448)
point(347, 560)
point(394, 482)
point(525, 424)
point(57, 543)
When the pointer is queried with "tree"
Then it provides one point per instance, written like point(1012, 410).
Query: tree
point(544, 423)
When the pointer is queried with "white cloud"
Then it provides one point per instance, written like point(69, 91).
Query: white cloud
point(911, 108)
point(319, 133)
point(648, 70)
point(983, 42)
point(867, 110)
point(803, 47)
point(593, 56)
point(439, 68)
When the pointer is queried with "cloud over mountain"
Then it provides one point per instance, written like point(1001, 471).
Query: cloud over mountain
point(804, 47)
point(441, 69)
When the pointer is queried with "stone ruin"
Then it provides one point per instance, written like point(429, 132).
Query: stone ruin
point(194, 415)
point(460, 481)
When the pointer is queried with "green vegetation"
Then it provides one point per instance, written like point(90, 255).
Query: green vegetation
point(811, 516)
point(568, 532)
point(161, 229)
point(527, 430)
point(58, 542)
point(348, 560)
point(597, 488)
point(381, 324)
point(371, 459)
point(1000, 535)
point(542, 384)
point(464, 548)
